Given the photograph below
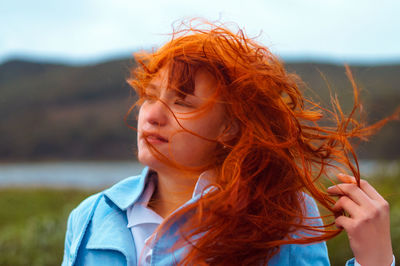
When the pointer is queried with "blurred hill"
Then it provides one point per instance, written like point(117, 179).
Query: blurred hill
point(50, 111)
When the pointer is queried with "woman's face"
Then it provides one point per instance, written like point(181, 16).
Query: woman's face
point(157, 123)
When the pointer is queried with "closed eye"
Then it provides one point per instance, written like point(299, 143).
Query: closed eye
point(184, 103)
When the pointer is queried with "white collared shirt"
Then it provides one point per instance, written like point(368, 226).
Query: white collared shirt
point(143, 221)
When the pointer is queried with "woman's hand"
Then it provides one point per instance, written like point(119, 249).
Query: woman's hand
point(368, 224)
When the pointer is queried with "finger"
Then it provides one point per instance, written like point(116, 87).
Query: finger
point(365, 186)
point(352, 191)
point(347, 178)
point(370, 190)
point(345, 203)
point(343, 222)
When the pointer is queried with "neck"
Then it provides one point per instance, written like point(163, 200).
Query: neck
point(174, 188)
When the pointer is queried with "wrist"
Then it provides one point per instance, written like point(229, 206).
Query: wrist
point(389, 262)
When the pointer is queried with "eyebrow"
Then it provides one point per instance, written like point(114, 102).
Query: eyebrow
point(152, 86)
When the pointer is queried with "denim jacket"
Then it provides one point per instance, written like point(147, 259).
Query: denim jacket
point(97, 233)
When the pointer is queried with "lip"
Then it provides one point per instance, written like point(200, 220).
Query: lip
point(154, 138)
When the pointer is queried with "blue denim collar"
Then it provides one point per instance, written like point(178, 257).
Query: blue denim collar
point(128, 191)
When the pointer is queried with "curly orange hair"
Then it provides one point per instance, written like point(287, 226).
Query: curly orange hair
point(279, 152)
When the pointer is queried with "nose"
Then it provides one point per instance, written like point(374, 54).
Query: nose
point(156, 113)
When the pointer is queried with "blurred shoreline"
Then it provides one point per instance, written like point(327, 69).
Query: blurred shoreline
point(101, 174)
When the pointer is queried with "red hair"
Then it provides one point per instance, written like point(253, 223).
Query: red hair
point(279, 151)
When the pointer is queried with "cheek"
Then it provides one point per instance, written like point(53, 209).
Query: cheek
point(205, 127)
point(190, 150)
point(190, 145)
point(144, 153)
point(140, 117)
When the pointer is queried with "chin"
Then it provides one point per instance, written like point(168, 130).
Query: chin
point(149, 159)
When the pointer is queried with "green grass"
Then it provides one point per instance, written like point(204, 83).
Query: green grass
point(33, 223)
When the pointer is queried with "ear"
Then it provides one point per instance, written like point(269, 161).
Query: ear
point(230, 130)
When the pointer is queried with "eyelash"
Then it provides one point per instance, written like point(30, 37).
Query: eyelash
point(180, 102)
point(183, 103)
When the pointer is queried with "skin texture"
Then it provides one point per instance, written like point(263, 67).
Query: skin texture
point(155, 116)
point(368, 224)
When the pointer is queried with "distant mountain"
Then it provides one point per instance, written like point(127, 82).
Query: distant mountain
point(54, 111)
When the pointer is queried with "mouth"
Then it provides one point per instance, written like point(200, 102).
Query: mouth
point(155, 138)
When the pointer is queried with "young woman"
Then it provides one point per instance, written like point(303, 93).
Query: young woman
point(233, 158)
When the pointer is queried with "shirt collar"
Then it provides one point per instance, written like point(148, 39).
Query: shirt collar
point(149, 189)
point(131, 189)
point(125, 193)
point(138, 213)
point(204, 180)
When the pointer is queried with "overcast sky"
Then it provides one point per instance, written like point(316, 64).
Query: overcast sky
point(85, 31)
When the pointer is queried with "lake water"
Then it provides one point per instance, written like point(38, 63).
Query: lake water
point(67, 174)
point(92, 175)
